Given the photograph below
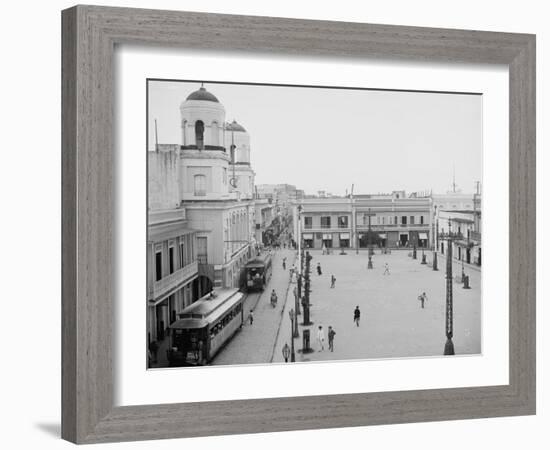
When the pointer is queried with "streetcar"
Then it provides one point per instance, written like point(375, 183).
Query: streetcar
point(258, 272)
point(204, 327)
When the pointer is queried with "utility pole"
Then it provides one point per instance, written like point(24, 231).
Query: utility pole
point(371, 252)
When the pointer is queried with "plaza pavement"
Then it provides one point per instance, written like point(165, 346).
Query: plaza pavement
point(392, 322)
point(255, 344)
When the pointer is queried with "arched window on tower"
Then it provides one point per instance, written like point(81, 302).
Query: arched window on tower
point(199, 134)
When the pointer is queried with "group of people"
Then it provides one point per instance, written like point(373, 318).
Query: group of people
point(321, 338)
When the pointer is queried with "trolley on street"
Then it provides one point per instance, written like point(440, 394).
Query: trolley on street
point(205, 326)
point(258, 272)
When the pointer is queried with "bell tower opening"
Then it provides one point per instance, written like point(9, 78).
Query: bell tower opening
point(199, 134)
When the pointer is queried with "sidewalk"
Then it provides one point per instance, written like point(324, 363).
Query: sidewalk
point(254, 344)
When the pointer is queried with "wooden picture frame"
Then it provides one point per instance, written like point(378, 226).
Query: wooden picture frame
point(89, 37)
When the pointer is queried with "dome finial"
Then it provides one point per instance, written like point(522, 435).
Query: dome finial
point(202, 94)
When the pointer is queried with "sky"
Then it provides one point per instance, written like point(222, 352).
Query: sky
point(328, 139)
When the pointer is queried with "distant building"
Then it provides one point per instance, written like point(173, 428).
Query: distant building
point(264, 214)
point(460, 213)
point(394, 220)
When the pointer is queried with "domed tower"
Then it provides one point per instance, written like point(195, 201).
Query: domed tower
point(237, 141)
point(237, 135)
point(204, 162)
point(202, 121)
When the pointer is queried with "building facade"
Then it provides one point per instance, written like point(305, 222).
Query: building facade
point(173, 280)
point(461, 214)
point(201, 211)
point(394, 221)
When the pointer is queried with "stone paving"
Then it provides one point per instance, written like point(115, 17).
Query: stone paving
point(392, 322)
point(255, 343)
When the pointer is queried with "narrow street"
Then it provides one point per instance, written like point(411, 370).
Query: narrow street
point(255, 343)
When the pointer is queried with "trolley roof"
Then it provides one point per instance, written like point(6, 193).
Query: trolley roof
point(208, 309)
point(259, 261)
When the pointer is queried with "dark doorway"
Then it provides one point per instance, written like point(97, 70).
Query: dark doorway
point(158, 266)
point(160, 323)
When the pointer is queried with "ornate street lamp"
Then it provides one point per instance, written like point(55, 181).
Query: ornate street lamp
point(286, 352)
point(292, 319)
point(450, 237)
point(369, 240)
point(436, 225)
point(300, 264)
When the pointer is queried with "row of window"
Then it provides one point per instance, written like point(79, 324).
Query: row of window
point(375, 220)
point(180, 254)
point(225, 320)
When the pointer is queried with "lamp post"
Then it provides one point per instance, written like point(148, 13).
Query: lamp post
point(307, 291)
point(436, 225)
point(292, 318)
point(450, 237)
point(286, 352)
point(300, 270)
point(369, 240)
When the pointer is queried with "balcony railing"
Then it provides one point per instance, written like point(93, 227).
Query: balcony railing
point(169, 282)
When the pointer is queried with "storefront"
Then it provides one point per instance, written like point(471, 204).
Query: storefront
point(308, 240)
point(344, 240)
point(327, 240)
point(423, 239)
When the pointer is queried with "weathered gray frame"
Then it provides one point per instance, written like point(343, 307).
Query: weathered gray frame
point(89, 36)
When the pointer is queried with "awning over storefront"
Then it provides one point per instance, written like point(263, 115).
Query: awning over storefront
point(422, 236)
point(307, 236)
point(344, 235)
point(327, 236)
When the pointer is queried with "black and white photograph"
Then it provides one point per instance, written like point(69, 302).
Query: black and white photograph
point(297, 224)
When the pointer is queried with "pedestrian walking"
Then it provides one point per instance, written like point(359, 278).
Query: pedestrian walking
point(284, 263)
point(273, 298)
point(357, 315)
point(386, 269)
point(331, 334)
point(332, 281)
point(319, 271)
point(423, 297)
point(321, 338)
point(251, 317)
